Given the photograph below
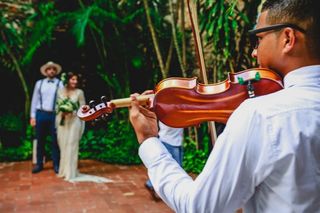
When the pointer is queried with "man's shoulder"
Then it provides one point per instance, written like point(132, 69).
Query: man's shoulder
point(281, 102)
point(265, 106)
point(39, 81)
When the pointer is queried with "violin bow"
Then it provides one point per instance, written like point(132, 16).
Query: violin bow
point(192, 9)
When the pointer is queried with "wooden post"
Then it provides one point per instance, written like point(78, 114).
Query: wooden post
point(203, 73)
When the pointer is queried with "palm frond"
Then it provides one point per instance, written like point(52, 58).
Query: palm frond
point(80, 19)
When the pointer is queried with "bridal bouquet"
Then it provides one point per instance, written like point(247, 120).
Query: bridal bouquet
point(66, 105)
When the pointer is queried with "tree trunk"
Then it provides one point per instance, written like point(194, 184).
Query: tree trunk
point(18, 69)
point(154, 39)
point(175, 39)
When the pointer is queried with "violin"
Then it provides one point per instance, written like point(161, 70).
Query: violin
point(183, 102)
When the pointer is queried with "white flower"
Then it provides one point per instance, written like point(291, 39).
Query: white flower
point(66, 105)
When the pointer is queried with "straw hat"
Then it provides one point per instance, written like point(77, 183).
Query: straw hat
point(44, 67)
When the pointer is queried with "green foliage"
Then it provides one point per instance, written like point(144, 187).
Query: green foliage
point(112, 81)
point(95, 17)
point(225, 24)
point(39, 29)
point(20, 153)
point(137, 62)
point(194, 159)
point(11, 122)
point(63, 78)
point(102, 27)
point(116, 143)
point(22, 36)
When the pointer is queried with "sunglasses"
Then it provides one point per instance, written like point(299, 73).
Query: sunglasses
point(254, 39)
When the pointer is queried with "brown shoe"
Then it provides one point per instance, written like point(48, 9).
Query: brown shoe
point(153, 193)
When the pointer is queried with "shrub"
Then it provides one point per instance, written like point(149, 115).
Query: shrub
point(194, 159)
point(20, 153)
point(114, 143)
point(11, 127)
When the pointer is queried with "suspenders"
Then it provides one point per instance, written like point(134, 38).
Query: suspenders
point(40, 94)
point(55, 95)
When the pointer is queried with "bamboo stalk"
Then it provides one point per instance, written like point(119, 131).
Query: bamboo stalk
point(154, 39)
point(199, 51)
point(174, 36)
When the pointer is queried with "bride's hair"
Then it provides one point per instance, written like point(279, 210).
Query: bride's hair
point(81, 80)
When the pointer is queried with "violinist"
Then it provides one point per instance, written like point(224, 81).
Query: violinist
point(268, 157)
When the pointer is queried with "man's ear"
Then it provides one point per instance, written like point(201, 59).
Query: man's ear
point(289, 39)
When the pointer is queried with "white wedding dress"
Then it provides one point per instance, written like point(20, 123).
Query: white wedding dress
point(69, 135)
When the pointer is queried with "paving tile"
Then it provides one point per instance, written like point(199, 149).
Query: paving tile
point(24, 192)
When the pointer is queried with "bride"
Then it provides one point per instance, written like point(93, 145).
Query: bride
point(70, 129)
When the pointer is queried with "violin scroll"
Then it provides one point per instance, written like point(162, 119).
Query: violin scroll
point(94, 111)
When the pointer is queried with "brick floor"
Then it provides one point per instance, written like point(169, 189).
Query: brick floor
point(21, 191)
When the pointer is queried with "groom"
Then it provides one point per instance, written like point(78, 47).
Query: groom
point(42, 115)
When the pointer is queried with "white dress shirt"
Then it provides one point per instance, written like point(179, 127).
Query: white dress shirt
point(266, 160)
point(48, 92)
point(170, 135)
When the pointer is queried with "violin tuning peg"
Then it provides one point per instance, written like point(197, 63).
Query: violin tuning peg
point(92, 104)
point(103, 99)
point(85, 108)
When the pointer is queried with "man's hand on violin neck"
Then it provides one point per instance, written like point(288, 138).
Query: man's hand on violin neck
point(143, 120)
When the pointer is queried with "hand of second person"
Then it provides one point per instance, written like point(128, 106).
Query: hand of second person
point(143, 120)
point(66, 113)
point(32, 122)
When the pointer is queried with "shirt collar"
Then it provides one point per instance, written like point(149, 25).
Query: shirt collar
point(303, 76)
point(52, 79)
